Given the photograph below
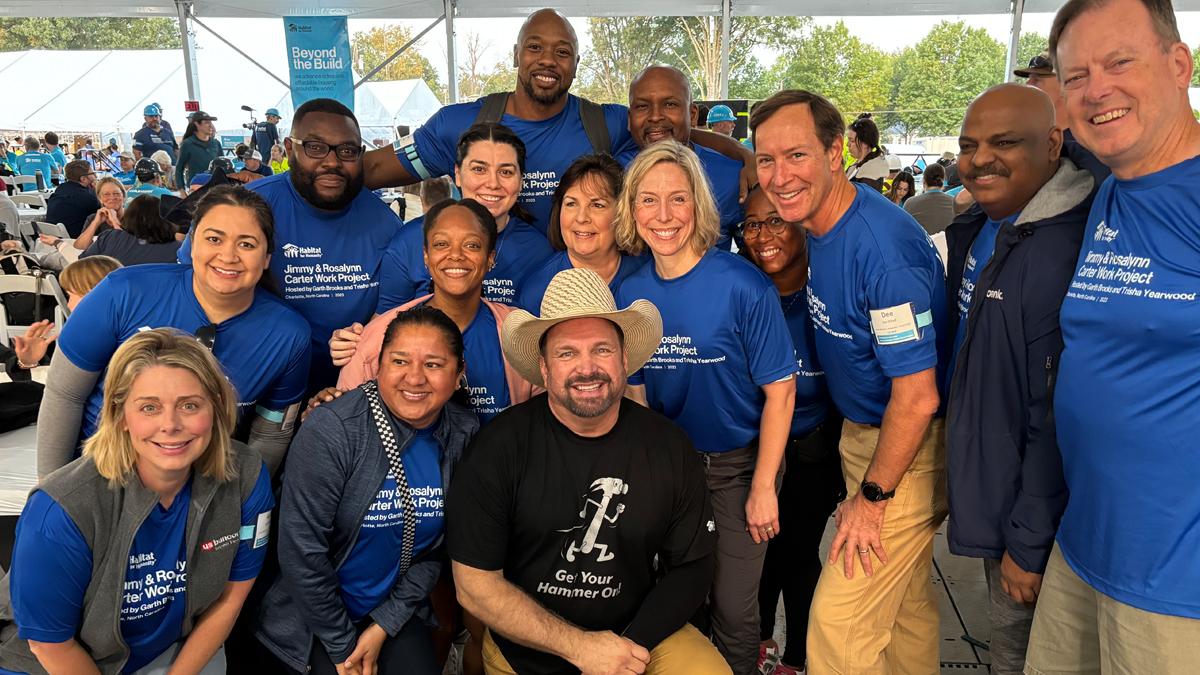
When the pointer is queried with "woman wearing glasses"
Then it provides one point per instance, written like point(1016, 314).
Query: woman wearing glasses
point(262, 343)
point(137, 557)
point(725, 338)
point(489, 167)
point(812, 484)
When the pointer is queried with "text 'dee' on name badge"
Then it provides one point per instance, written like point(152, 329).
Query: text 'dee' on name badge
point(899, 324)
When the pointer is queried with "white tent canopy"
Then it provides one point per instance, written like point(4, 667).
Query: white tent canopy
point(106, 91)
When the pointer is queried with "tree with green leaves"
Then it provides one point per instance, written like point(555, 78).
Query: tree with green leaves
point(1196, 67)
point(942, 74)
point(1030, 45)
point(88, 33)
point(369, 49)
point(700, 55)
point(831, 61)
point(621, 47)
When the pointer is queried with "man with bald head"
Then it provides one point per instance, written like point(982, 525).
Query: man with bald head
point(557, 127)
point(1010, 262)
point(661, 107)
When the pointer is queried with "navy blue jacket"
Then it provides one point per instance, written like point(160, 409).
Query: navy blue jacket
point(336, 465)
point(1006, 486)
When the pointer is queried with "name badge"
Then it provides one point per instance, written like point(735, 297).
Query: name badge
point(899, 324)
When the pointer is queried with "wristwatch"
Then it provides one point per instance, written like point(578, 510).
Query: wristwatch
point(873, 493)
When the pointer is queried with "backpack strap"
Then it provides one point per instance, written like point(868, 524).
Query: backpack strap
point(595, 126)
point(493, 107)
point(387, 436)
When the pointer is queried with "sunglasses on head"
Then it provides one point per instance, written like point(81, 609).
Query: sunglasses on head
point(207, 336)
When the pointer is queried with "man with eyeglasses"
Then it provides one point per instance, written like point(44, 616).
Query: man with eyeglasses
point(330, 233)
point(74, 200)
point(1040, 74)
point(877, 298)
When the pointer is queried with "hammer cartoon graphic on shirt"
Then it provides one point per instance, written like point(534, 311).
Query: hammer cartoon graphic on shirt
point(600, 495)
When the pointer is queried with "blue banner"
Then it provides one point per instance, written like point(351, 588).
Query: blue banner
point(319, 58)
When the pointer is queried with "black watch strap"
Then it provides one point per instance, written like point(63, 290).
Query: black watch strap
point(874, 493)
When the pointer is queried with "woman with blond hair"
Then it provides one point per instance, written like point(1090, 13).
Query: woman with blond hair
point(138, 556)
point(111, 193)
point(724, 371)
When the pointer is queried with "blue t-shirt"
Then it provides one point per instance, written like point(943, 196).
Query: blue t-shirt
point(1128, 392)
point(724, 177)
point(140, 189)
point(326, 263)
point(59, 157)
point(551, 146)
point(127, 178)
point(519, 249)
point(369, 572)
point(486, 381)
point(264, 350)
point(812, 398)
point(724, 338)
point(534, 286)
point(52, 569)
point(977, 258)
point(148, 141)
point(876, 293)
point(30, 163)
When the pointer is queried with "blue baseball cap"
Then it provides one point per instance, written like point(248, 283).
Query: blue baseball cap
point(273, 111)
point(720, 113)
point(152, 110)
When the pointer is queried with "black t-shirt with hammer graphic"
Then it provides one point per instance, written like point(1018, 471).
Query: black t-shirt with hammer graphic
point(578, 523)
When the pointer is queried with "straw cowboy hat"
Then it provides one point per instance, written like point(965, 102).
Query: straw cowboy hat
point(578, 294)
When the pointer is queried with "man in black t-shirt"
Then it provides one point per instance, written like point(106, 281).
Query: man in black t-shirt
point(579, 523)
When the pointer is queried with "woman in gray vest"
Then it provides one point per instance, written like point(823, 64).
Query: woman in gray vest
point(137, 557)
point(361, 515)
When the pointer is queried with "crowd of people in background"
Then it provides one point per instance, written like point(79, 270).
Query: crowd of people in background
point(595, 407)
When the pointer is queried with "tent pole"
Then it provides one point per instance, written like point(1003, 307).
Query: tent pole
point(725, 21)
point(1014, 41)
point(243, 54)
point(451, 58)
point(188, 38)
point(398, 52)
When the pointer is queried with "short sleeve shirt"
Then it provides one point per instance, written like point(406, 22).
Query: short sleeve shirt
point(533, 288)
point(264, 350)
point(1128, 392)
point(877, 296)
point(576, 522)
point(551, 145)
point(724, 335)
point(52, 569)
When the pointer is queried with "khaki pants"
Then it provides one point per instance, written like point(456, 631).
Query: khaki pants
point(1077, 629)
point(888, 622)
point(684, 652)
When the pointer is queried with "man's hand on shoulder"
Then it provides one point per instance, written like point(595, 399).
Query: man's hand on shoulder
point(606, 653)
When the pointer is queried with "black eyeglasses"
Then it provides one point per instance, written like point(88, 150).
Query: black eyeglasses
point(752, 229)
point(207, 336)
point(346, 152)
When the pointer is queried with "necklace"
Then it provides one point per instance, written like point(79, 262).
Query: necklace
point(788, 306)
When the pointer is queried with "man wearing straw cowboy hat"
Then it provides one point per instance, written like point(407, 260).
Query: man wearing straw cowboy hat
point(564, 503)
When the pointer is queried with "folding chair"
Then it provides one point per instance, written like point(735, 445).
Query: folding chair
point(42, 285)
point(22, 181)
point(35, 200)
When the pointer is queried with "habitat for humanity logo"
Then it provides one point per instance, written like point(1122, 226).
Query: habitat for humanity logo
point(294, 251)
point(293, 28)
point(1105, 233)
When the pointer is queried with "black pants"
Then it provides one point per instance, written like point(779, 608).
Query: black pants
point(410, 652)
point(812, 487)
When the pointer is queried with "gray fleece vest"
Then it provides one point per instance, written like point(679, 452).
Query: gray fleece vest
point(108, 519)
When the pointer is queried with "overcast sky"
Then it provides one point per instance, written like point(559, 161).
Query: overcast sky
point(263, 38)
